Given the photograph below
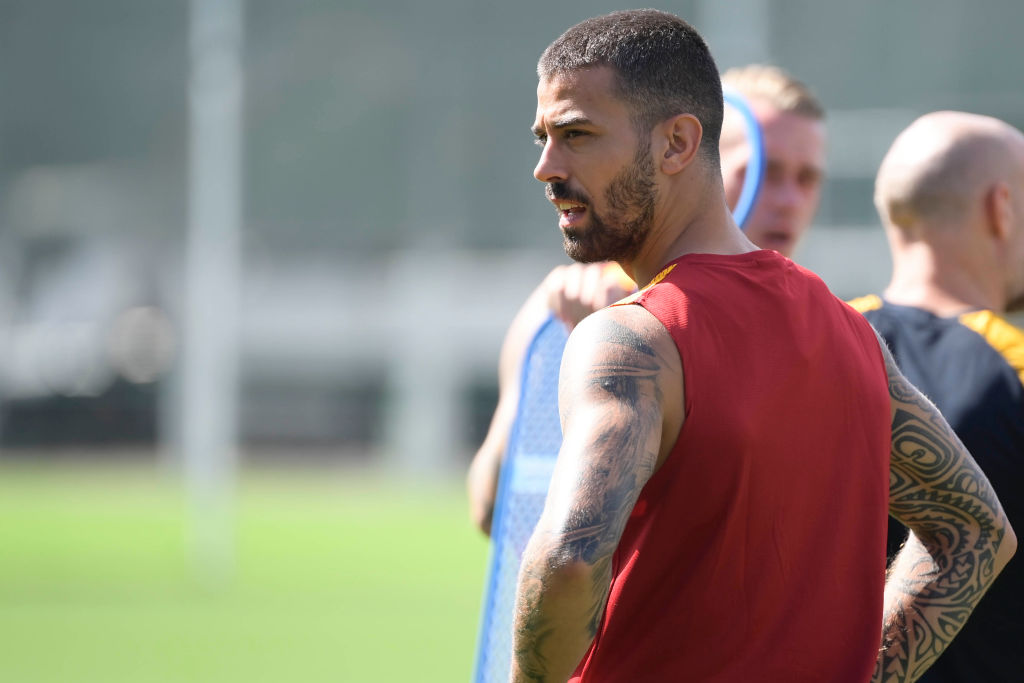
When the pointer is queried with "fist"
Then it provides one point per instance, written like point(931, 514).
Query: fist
point(575, 291)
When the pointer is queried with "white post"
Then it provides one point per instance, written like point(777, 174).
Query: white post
point(209, 392)
point(424, 422)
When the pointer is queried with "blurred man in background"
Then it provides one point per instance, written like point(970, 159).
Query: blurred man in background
point(793, 128)
point(950, 193)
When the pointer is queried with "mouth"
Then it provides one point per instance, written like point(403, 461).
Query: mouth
point(570, 213)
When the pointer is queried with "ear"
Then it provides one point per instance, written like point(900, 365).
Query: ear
point(683, 134)
point(999, 211)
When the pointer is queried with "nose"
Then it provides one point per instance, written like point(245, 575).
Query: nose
point(551, 166)
point(787, 194)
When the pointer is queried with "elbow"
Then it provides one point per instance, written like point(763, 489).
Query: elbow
point(561, 579)
point(574, 572)
point(559, 565)
point(1008, 546)
point(482, 514)
point(481, 507)
point(481, 489)
point(565, 567)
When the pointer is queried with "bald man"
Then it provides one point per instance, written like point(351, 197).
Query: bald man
point(950, 193)
point(792, 122)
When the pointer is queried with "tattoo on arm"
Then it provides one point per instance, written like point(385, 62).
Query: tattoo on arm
point(957, 526)
point(611, 412)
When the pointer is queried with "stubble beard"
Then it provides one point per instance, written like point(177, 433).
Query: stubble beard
point(621, 232)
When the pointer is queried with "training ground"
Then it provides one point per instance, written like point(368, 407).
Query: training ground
point(338, 576)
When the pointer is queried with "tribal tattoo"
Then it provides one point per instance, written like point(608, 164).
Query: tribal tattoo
point(610, 398)
point(957, 528)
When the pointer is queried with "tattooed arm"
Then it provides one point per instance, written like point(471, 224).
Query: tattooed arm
point(620, 398)
point(959, 537)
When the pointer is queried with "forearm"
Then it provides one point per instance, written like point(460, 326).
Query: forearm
point(558, 610)
point(959, 542)
point(485, 470)
point(909, 581)
point(482, 488)
point(929, 594)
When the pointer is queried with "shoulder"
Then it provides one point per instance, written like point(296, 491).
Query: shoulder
point(623, 328)
point(623, 356)
point(622, 344)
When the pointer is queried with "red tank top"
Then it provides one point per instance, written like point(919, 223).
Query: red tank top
point(756, 552)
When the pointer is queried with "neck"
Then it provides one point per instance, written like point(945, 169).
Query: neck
point(698, 222)
point(924, 279)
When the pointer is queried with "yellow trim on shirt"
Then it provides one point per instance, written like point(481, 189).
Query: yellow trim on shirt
point(1002, 335)
point(635, 295)
point(863, 304)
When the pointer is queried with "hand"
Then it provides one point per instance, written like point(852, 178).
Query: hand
point(575, 291)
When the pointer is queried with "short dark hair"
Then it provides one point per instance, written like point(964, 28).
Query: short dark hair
point(663, 67)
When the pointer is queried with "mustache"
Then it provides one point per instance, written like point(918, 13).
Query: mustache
point(562, 191)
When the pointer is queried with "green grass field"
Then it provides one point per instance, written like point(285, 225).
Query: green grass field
point(339, 577)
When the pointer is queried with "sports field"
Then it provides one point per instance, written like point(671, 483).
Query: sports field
point(339, 577)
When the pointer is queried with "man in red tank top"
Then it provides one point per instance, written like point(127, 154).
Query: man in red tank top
point(792, 122)
point(733, 434)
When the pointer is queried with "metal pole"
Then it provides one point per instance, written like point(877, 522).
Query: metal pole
point(212, 266)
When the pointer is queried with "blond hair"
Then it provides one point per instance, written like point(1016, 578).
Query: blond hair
point(776, 87)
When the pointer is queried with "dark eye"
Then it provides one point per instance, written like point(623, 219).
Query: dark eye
point(540, 140)
point(570, 134)
point(809, 178)
point(773, 172)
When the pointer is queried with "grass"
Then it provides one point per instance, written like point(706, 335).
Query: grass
point(337, 578)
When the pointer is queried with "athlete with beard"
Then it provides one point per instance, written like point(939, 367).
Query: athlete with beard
point(733, 434)
point(793, 130)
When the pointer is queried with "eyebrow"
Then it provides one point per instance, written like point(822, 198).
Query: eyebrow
point(564, 123)
point(816, 168)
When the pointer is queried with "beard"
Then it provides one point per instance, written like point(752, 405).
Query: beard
point(618, 233)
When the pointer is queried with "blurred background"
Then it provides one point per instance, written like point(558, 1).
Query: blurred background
point(256, 262)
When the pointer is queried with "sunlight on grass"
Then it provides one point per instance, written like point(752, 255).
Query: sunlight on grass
point(338, 578)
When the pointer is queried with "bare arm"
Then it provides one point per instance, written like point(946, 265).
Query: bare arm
point(482, 479)
point(959, 537)
point(577, 290)
point(570, 292)
point(620, 387)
